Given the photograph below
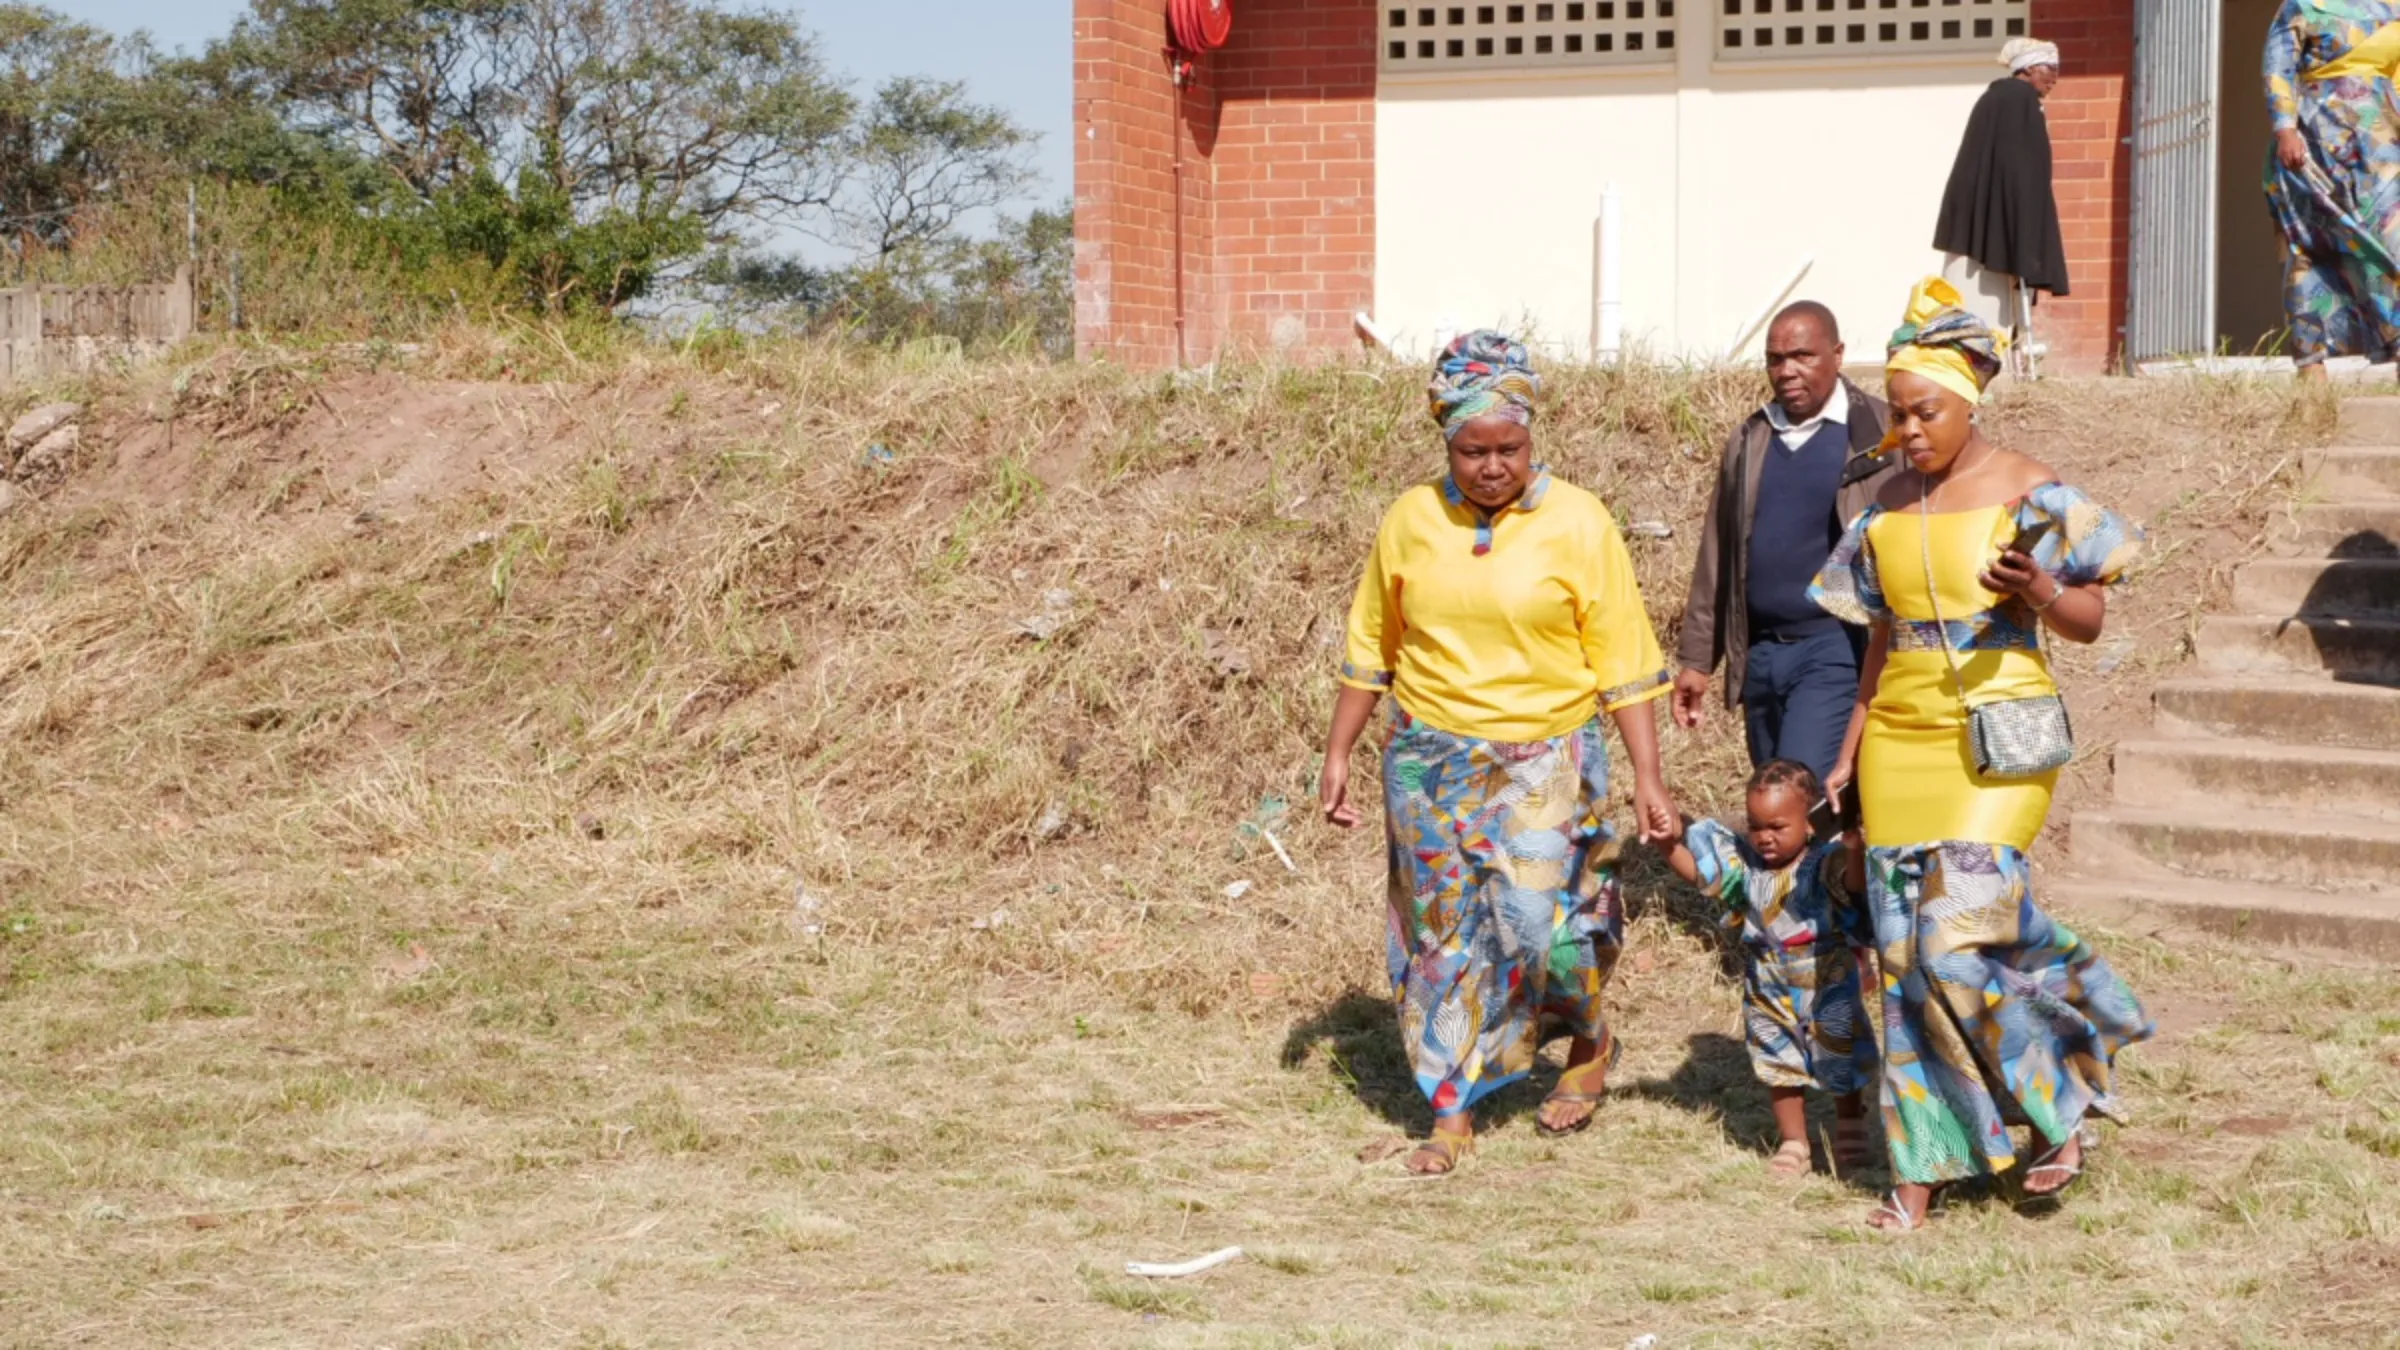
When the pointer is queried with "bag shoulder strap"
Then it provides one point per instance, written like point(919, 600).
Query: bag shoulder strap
point(1933, 592)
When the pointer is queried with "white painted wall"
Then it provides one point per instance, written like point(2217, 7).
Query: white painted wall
point(1730, 175)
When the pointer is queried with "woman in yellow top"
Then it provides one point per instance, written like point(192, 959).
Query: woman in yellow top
point(1499, 609)
point(1994, 1013)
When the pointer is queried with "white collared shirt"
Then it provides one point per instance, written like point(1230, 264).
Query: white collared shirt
point(1797, 434)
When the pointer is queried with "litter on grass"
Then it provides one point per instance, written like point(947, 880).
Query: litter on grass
point(1156, 1271)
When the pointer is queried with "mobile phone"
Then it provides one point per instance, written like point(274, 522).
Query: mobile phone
point(1824, 820)
point(2031, 537)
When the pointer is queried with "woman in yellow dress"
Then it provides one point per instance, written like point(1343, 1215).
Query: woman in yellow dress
point(1994, 1013)
point(1499, 609)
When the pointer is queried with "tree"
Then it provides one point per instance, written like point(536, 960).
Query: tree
point(645, 110)
point(64, 104)
point(923, 160)
point(1020, 281)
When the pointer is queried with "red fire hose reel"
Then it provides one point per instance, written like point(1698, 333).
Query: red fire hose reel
point(1199, 25)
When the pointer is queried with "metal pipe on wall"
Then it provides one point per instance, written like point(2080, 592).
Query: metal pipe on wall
point(1608, 305)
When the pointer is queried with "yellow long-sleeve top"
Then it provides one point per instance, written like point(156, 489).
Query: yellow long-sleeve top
point(1517, 626)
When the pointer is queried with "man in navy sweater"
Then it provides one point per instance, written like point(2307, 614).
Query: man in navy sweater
point(1796, 472)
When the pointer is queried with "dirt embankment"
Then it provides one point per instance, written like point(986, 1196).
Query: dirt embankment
point(775, 621)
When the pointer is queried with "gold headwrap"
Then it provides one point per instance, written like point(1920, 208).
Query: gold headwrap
point(1941, 341)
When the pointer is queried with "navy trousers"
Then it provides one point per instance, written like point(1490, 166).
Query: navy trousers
point(1797, 696)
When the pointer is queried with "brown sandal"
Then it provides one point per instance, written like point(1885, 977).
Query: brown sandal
point(1791, 1160)
point(1444, 1147)
point(1601, 1064)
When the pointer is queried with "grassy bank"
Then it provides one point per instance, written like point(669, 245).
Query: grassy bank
point(563, 843)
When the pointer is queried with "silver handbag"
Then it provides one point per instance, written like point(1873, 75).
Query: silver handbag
point(2009, 737)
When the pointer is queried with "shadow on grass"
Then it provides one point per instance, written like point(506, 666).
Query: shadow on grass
point(1360, 1033)
point(1715, 1079)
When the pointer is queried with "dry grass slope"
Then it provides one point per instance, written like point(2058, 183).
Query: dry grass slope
point(572, 847)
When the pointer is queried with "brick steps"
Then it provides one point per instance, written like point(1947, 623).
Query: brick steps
point(2363, 925)
point(2266, 804)
point(2294, 712)
point(2346, 470)
point(2262, 776)
point(2371, 422)
point(2347, 529)
point(2291, 848)
point(2366, 588)
point(2365, 651)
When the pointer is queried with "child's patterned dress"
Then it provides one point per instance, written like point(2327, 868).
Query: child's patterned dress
point(1800, 927)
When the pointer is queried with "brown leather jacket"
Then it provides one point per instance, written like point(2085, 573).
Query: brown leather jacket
point(1716, 620)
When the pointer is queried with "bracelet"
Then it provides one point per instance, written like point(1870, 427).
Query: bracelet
point(2056, 590)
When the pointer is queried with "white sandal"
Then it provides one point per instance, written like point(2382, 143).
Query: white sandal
point(2049, 1162)
point(1901, 1223)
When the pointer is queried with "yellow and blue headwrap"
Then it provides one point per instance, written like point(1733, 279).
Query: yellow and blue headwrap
point(1483, 374)
point(1941, 341)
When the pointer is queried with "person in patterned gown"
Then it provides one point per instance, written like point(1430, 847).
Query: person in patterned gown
point(1499, 609)
point(1793, 903)
point(2333, 178)
point(1994, 1013)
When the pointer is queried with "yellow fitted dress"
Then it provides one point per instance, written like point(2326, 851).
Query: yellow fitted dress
point(1916, 772)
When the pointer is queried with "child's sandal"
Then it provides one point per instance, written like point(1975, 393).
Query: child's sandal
point(1792, 1160)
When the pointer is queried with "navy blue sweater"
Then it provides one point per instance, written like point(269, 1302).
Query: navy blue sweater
point(1794, 529)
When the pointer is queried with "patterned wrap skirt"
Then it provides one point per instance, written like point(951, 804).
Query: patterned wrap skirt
point(2340, 219)
point(1505, 920)
point(1995, 1014)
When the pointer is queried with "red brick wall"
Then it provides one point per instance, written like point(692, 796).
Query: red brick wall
point(1126, 131)
point(2089, 118)
point(1276, 134)
point(1296, 172)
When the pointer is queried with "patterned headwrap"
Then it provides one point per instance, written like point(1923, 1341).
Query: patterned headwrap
point(1483, 374)
point(1941, 341)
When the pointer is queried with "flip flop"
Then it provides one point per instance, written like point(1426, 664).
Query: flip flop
point(2048, 1164)
point(1900, 1224)
point(1606, 1063)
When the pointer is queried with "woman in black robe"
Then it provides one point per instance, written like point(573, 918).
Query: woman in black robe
point(1999, 220)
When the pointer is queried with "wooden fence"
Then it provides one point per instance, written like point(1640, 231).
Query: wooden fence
point(49, 329)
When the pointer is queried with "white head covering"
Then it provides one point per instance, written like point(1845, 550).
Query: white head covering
point(2023, 53)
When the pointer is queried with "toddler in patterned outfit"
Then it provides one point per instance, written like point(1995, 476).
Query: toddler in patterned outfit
point(1797, 906)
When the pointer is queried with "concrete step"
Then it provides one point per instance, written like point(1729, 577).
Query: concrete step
point(2358, 588)
point(2280, 848)
point(2368, 528)
point(2264, 775)
point(2354, 925)
point(2371, 421)
point(2347, 472)
point(2290, 712)
point(2366, 651)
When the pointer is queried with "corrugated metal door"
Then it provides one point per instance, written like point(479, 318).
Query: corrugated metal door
point(2171, 307)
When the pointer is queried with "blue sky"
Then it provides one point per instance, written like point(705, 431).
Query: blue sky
point(1015, 53)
